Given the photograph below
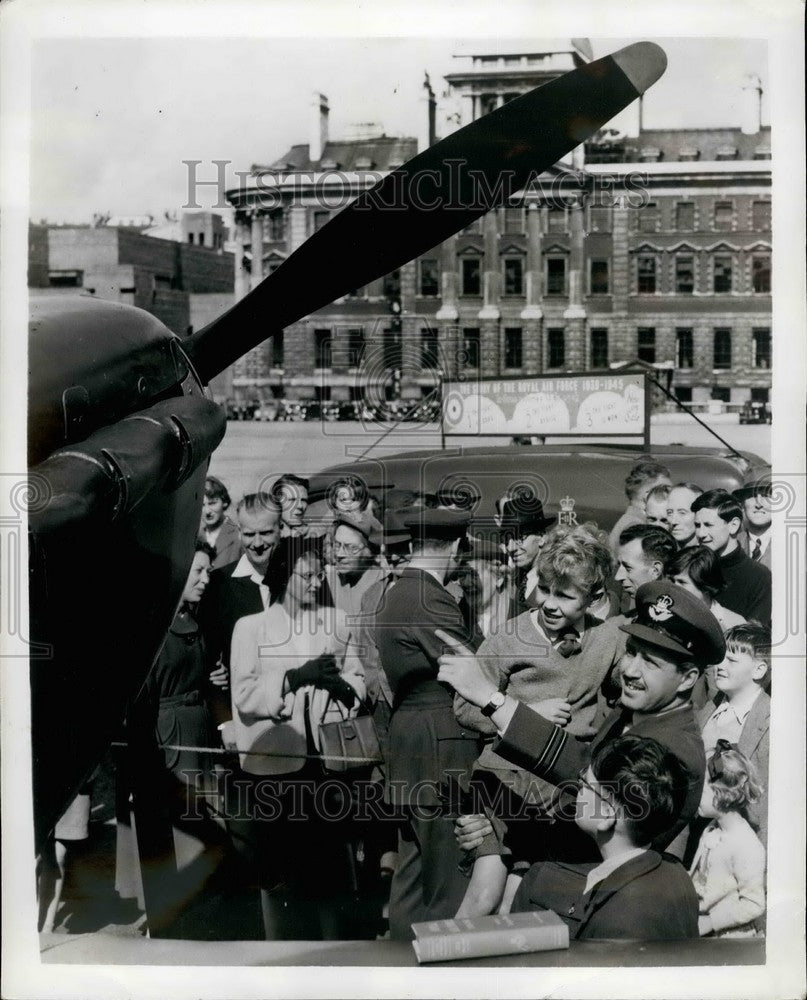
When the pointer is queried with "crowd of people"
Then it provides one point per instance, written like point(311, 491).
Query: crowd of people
point(531, 714)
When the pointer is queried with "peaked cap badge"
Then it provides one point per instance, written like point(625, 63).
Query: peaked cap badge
point(660, 611)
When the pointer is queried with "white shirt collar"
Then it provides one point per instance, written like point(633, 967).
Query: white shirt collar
point(246, 569)
point(603, 870)
point(743, 703)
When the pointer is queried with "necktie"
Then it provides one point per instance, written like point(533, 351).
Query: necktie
point(757, 550)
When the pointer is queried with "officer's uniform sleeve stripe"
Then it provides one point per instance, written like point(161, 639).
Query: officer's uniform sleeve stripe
point(534, 743)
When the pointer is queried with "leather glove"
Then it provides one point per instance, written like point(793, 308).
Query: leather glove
point(314, 672)
point(340, 690)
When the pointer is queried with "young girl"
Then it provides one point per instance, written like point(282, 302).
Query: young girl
point(728, 869)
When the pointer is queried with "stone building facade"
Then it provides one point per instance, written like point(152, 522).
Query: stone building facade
point(652, 246)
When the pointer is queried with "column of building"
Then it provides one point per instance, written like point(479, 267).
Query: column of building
point(621, 345)
point(490, 314)
point(299, 346)
point(447, 315)
point(532, 314)
point(575, 313)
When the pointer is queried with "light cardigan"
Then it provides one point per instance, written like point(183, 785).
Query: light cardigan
point(728, 872)
point(269, 727)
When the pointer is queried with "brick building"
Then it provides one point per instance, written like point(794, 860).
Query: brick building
point(653, 244)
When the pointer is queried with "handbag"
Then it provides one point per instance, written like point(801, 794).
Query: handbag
point(348, 743)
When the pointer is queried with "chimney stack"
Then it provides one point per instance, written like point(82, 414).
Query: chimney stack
point(319, 126)
point(426, 121)
point(751, 105)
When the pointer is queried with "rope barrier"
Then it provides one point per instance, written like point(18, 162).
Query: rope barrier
point(258, 753)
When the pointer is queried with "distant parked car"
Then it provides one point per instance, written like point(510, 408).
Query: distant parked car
point(755, 412)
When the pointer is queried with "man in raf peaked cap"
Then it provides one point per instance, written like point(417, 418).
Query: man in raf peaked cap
point(672, 639)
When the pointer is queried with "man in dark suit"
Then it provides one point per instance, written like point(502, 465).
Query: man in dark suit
point(755, 499)
point(425, 740)
point(238, 589)
point(672, 639)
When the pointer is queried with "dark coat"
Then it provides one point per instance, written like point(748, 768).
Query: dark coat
point(754, 742)
point(649, 898)
point(552, 753)
point(747, 589)
point(226, 599)
point(425, 740)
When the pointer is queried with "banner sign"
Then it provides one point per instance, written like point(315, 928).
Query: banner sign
point(610, 405)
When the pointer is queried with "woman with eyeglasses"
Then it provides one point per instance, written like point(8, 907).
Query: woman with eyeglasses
point(288, 677)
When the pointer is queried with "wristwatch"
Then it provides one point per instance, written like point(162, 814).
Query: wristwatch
point(497, 699)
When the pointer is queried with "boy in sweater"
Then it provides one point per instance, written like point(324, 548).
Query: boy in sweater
point(552, 658)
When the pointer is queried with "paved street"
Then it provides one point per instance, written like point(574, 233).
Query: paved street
point(252, 451)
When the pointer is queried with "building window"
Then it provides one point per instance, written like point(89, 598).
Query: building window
point(685, 216)
point(277, 350)
point(761, 273)
point(429, 277)
point(721, 393)
point(722, 347)
point(761, 216)
point(512, 347)
point(428, 348)
point(513, 276)
point(599, 277)
point(277, 226)
point(721, 278)
point(556, 276)
point(556, 219)
point(513, 220)
point(684, 275)
point(649, 217)
point(190, 238)
point(471, 338)
point(487, 103)
point(647, 275)
point(201, 239)
point(599, 219)
point(599, 348)
point(471, 276)
point(760, 394)
point(762, 347)
point(647, 344)
point(320, 219)
point(323, 345)
point(684, 347)
point(683, 393)
point(355, 346)
point(724, 215)
point(66, 279)
point(556, 342)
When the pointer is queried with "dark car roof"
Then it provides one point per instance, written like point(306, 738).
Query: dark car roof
point(592, 476)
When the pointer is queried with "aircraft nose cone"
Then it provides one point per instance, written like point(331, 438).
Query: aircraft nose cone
point(642, 63)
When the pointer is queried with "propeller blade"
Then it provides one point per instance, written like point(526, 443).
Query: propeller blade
point(431, 197)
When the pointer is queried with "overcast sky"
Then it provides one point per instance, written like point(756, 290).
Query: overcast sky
point(113, 118)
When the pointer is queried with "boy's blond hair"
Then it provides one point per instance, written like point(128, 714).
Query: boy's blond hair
point(579, 554)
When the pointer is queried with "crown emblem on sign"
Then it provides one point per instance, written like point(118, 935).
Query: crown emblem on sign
point(567, 504)
point(659, 611)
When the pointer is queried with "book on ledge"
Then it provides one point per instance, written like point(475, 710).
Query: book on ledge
point(498, 934)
